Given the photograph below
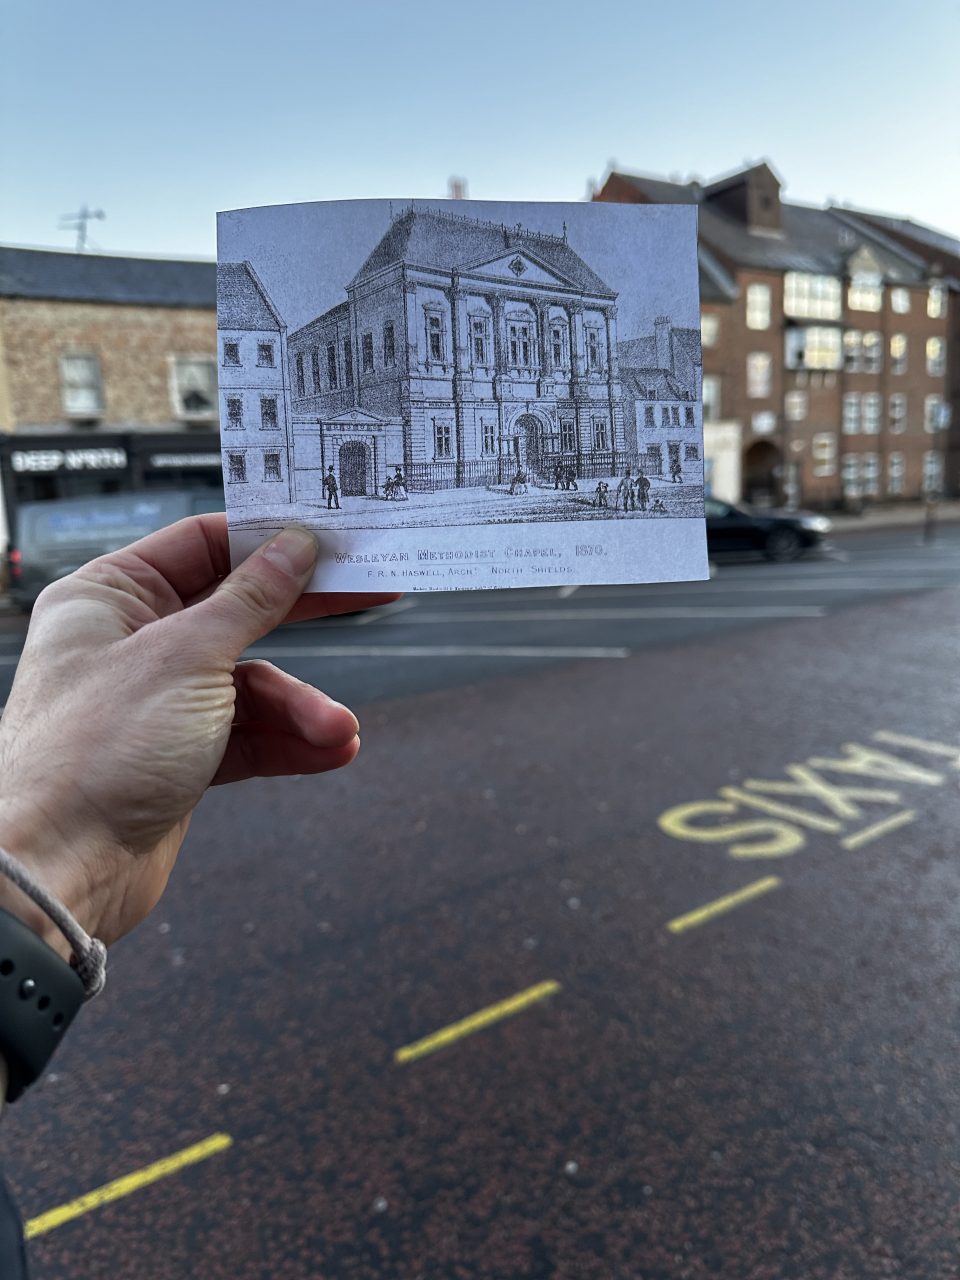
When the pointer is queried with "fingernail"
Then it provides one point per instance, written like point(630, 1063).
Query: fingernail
point(294, 550)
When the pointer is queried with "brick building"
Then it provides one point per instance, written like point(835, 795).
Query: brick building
point(108, 375)
point(824, 338)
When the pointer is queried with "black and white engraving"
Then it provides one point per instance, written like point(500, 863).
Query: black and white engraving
point(466, 371)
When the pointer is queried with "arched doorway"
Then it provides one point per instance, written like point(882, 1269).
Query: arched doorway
point(354, 469)
point(762, 474)
point(531, 445)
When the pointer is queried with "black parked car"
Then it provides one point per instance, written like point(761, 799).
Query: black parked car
point(778, 535)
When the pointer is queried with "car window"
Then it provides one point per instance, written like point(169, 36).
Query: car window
point(715, 510)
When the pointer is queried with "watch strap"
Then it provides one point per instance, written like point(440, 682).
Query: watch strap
point(40, 995)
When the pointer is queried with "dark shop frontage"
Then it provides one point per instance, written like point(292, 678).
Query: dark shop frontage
point(42, 468)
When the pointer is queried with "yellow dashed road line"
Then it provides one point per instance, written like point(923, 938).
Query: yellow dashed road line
point(124, 1186)
point(716, 908)
point(476, 1022)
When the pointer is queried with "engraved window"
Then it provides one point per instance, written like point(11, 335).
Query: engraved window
point(389, 345)
point(593, 349)
point(688, 416)
point(665, 416)
point(301, 380)
point(271, 466)
point(600, 433)
point(234, 413)
point(558, 345)
point(315, 369)
point(348, 362)
point(691, 453)
point(366, 352)
point(648, 416)
point(236, 468)
point(265, 355)
point(480, 340)
point(332, 366)
point(231, 353)
point(568, 435)
point(489, 436)
point(519, 336)
point(442, 438)
point(268, 413)
point(435, 336)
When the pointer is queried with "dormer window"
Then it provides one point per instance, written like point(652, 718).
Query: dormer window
point(865, 292)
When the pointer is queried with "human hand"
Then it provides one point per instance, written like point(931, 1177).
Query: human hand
point(129, 702)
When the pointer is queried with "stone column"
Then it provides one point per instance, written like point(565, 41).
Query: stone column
point(457, 312)
point(613, 382)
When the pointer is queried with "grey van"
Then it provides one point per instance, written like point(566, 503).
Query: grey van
point(53, 538)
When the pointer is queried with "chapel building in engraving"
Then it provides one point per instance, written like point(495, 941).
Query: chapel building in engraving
point(465, 351)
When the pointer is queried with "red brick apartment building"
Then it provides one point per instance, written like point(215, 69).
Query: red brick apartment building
point(830, 337)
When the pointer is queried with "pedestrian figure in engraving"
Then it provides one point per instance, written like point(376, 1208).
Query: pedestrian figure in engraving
point(332, 489)
point(558, 476)
point(676, 470)
point(601, 493)
point(658, 508)
point(643, 490)
point(571, 478)
point(519, 482)
point(626, 494)
point(396, 487)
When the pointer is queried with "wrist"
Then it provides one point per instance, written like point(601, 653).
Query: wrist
point(52, 860)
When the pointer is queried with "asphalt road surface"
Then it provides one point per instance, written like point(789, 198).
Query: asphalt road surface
point(628, 949)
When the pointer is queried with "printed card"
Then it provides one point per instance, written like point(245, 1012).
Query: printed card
point(465, 394)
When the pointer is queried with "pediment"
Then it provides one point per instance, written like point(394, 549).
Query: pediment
point(355, 418)
point(518, 267)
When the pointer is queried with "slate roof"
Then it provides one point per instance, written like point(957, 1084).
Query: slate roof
point(812, 239)
point(96, 277)
point(340, 309)
point(242, 301)
point(926, 244)
point(448, 242)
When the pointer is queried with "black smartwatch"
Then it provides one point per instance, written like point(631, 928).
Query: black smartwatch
point(40, 995)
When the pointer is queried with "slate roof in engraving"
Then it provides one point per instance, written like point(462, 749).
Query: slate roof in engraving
point(340, 310)
point(97, 277)
point(449, 242)
point(242, 301)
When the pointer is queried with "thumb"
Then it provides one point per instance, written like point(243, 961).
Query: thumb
point(258, 595)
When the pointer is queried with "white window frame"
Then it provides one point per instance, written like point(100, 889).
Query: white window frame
point(898, 413)
point(759, 305)
point(709, 329)
point(176, 376)
point(710, 393)
point(73, 404)
point(936, 354)
point(850, 418)
point(821, 345)
point(812, 297)
point(900, 301)
point(871, 413)
point(899, 354)
point(850, 475)
point(932, 413)
point(795, 406)
point(896, 472)
point(872, 351)
point(932, 471)
point(936, 302)
point(759, 375)
point(865, 292)
point(823, 451)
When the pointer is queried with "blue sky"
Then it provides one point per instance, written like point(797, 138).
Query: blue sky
point(164, 114)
